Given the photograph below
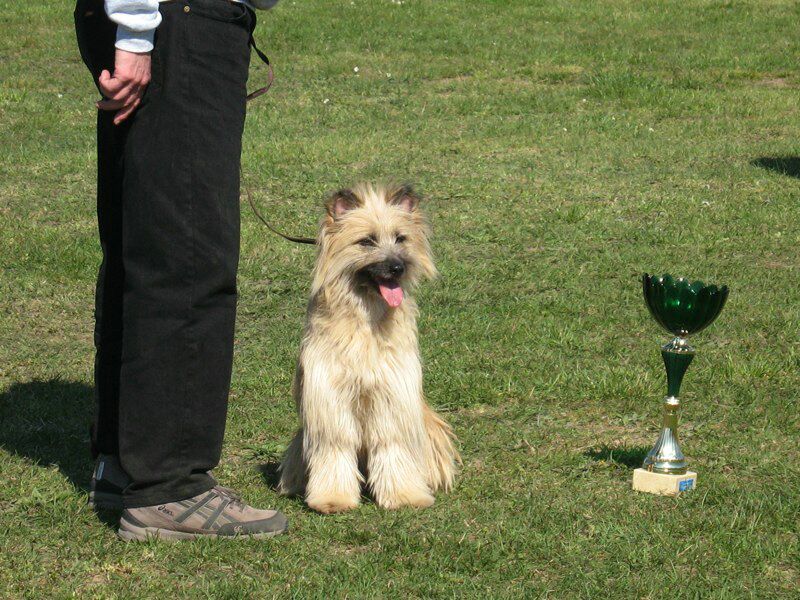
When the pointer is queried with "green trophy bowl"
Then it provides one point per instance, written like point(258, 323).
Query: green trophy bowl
point(683, 308)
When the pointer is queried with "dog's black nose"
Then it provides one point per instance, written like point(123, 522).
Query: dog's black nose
point(390, 268)
point(396, 268)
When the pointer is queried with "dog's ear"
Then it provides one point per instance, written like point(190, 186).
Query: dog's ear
point(405, 197)
point(340, 202)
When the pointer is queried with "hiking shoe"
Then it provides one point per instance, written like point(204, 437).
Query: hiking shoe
point(108, 481)
point(218, 513)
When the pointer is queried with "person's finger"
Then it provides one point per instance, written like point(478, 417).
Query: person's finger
point(129, 89)
point(133, 93)
point(117, 87)
point(109, 104)
point(108, 84)
point(126, 112)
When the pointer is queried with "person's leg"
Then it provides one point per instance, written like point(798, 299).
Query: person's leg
point(108, 299)
point(168, 213)
point(180, 224)
point(96, 35)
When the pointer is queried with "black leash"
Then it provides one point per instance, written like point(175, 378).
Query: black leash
point(291, 238)
point(253, 96)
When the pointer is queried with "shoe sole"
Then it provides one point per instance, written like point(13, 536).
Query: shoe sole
point(132, 533)
point(105, 500)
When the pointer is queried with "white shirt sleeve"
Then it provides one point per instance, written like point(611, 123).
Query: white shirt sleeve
point(136, 23)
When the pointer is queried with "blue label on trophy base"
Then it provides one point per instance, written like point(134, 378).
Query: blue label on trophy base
point(686, 485)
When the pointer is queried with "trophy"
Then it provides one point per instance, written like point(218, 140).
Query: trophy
point(683, 308)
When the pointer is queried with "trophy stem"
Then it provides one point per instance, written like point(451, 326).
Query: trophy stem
point(677, 355)
point(666, 455)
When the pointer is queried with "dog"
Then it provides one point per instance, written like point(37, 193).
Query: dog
point(358, 383)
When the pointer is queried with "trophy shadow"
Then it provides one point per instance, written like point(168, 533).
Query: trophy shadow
point(784, 165)
point(628, 456)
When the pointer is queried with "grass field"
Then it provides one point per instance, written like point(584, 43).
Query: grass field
point(564, 147)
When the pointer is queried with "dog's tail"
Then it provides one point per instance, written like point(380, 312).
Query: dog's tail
point(443, 457)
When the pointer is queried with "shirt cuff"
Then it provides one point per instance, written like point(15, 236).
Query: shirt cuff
point(135, 41)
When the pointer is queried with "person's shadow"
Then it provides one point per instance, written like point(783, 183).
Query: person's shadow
point(47, 423)
point(785, 165)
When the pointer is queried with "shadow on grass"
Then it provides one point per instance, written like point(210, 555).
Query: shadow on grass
point(629, 457)
point(47, 423)
point(269, 471)
point(785, 165)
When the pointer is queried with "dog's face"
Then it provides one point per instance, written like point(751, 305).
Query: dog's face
point(374, 243)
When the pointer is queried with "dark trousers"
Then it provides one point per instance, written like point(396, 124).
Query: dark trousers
point(168, 214)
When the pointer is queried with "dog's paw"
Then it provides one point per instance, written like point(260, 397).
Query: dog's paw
point(333, 503)
point(412, 498)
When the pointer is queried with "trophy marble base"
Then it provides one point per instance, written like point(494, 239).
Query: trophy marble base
point(663, 484)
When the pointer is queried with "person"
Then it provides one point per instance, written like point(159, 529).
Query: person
point(173, 77)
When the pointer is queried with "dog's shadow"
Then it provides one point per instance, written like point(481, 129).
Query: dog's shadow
point(630, 457)
point(269, 472)
point(46, 422)
point(271, 475)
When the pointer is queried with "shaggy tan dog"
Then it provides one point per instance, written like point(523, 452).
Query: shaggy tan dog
point(358, 384)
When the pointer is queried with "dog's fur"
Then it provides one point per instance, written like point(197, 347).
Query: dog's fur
point(358, 384)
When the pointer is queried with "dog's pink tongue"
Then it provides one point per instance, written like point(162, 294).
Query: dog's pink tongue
point(392, 293)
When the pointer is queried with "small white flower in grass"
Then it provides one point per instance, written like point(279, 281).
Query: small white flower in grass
point(355, 69)
point(60, 95)
point(326, 100)
point(584, 100)
point(650, 129)
point(565, 128)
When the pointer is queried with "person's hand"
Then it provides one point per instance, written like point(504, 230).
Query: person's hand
point(124, 89)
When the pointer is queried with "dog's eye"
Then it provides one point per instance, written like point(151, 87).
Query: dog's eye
point(400, 239)
point(367, 241)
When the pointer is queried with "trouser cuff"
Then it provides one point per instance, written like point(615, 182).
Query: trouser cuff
point(168, 492)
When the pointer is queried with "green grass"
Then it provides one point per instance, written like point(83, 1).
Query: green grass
point(564, 148)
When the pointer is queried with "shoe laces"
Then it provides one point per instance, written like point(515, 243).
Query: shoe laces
point(234, 497)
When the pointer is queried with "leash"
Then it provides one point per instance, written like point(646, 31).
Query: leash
point(253, 96)
point(291, 238)
point(270, 75)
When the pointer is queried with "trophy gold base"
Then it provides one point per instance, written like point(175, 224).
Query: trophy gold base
point(663, 484)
